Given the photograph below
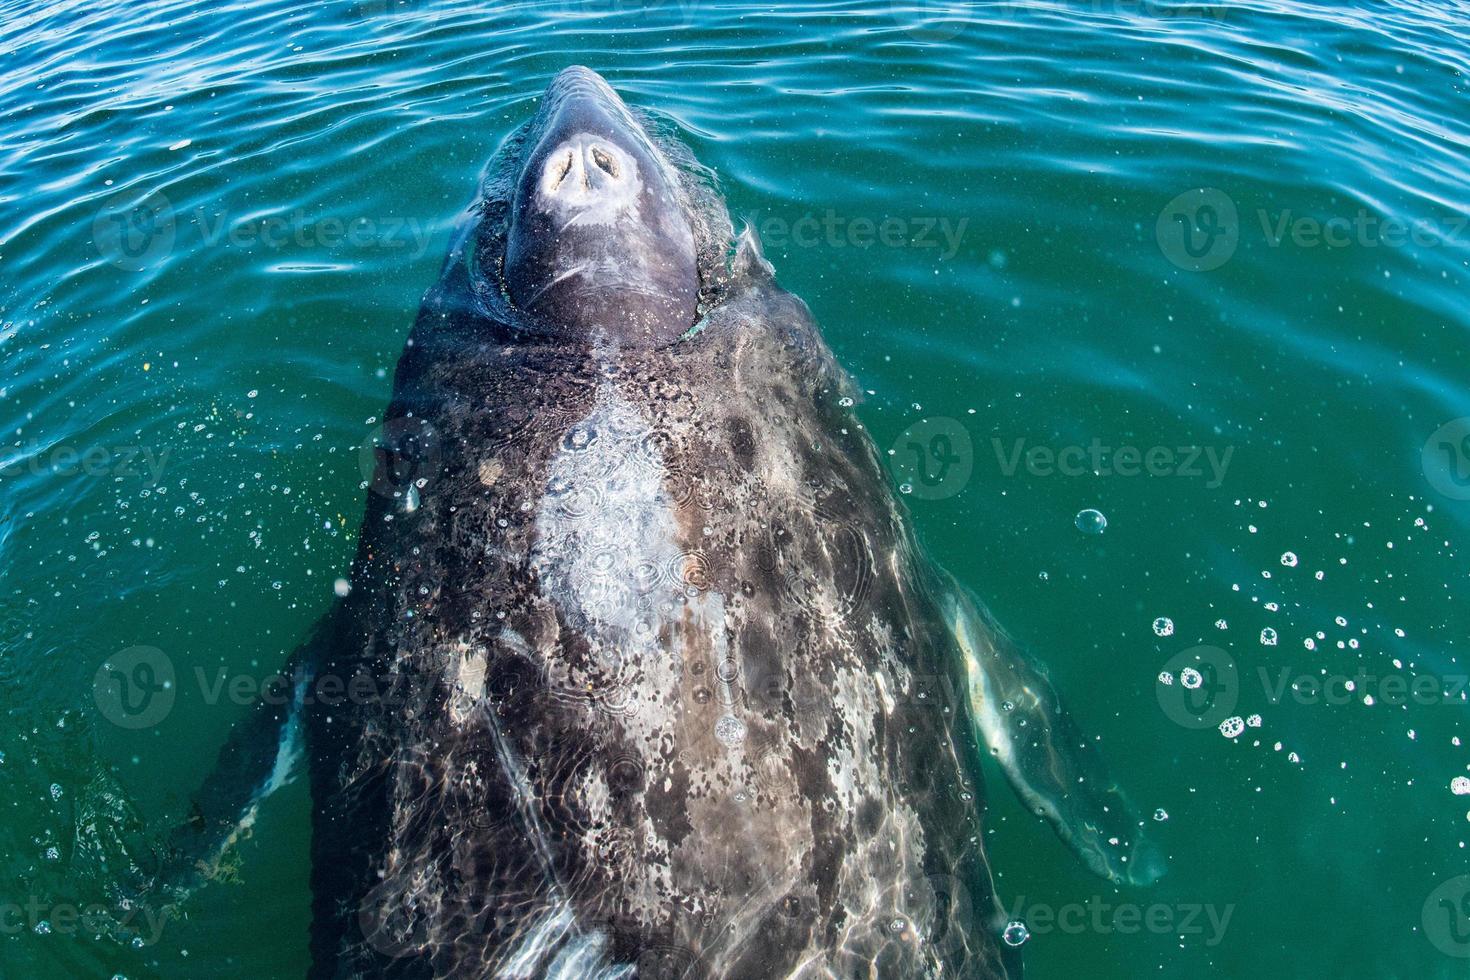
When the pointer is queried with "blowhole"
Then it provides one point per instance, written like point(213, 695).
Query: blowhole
point(605, 162)
point(563, 168)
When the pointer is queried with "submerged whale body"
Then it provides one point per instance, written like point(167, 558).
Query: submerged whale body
point(641, 673)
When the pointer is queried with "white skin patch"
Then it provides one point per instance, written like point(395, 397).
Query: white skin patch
point(468, 667)
point(606, 532)
point(590, 180)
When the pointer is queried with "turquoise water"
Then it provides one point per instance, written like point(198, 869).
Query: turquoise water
point(1201, 268)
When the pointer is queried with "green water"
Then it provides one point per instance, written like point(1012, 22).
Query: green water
point(1229, 239)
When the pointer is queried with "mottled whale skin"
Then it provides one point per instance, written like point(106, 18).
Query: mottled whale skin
point(646, 674)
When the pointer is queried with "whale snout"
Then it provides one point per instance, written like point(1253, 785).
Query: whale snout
point(599, 241)
point(587, 158)
point(581, 79)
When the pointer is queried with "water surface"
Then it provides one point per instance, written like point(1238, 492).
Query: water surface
point(1199, 267)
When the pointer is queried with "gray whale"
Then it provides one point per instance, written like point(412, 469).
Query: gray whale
point(642, 672)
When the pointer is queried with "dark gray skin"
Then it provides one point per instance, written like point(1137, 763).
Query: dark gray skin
point(599, 241)
point(645, 673)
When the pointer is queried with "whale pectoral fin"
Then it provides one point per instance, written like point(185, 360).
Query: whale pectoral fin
point(258, 758)
point(1054, 769)
point(750, 260)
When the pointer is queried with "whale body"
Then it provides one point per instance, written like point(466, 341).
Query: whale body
point(642, 672)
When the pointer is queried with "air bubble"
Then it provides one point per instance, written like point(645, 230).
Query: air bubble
point(1015, 933)
point(1091, 521)
point(730, 730)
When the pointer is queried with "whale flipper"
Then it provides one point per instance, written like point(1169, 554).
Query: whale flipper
point(257, 758)
point(1057, 772)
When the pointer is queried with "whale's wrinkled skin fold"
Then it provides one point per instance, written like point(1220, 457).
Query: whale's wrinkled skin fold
point(641, 673)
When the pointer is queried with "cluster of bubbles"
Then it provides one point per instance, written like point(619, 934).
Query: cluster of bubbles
point(1234, 726)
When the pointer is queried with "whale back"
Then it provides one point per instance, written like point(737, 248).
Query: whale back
point(674, 689)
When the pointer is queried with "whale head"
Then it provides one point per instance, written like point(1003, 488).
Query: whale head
point(599, 243)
